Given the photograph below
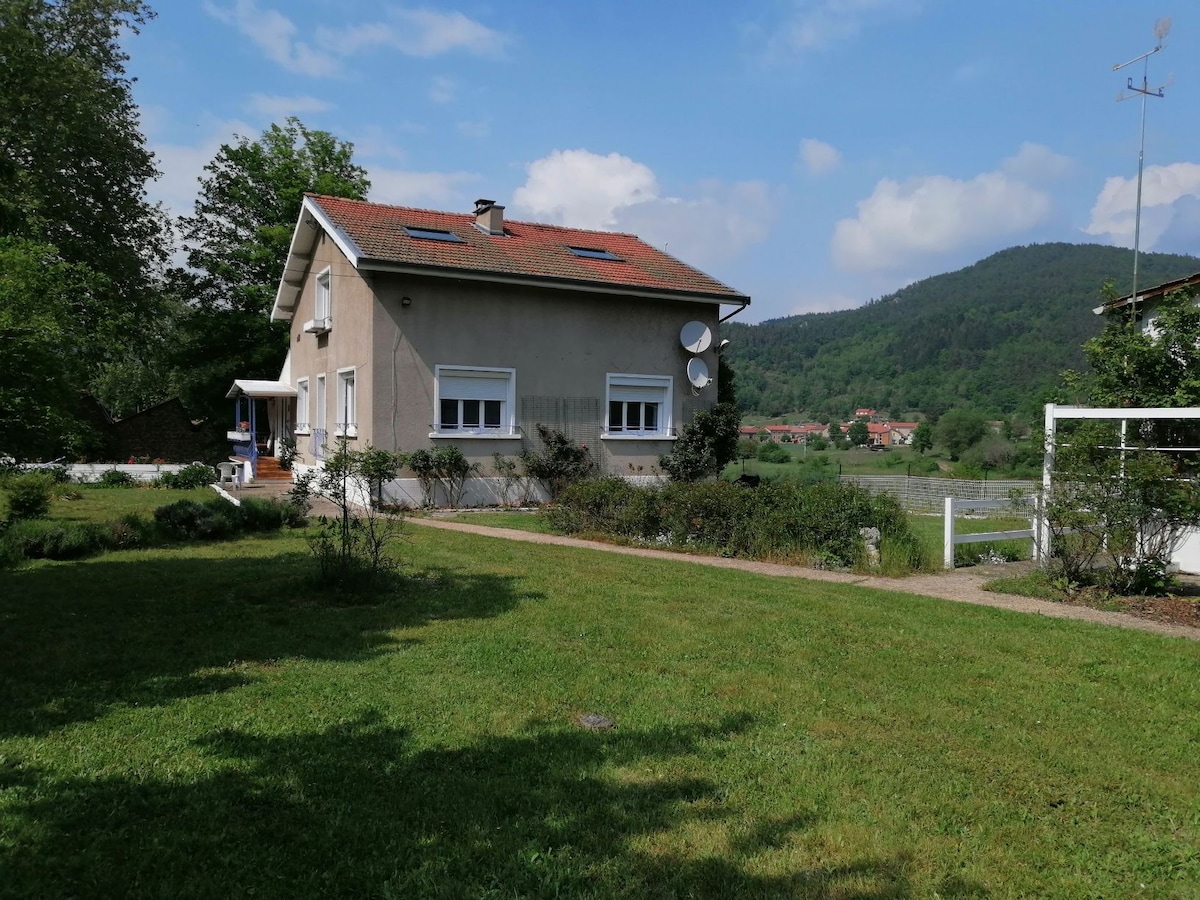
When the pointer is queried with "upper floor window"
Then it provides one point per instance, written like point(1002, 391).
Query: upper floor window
point(347, 406)
point(638, 406)
point(474, 401)
point(302, 426)
point(324, 303)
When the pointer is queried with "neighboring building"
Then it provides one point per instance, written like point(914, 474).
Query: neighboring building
point(865, 413)
point(414, 328)
point(901, 433)
point(1147, 299)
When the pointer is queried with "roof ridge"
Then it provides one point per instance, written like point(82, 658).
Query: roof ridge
point(469, 216)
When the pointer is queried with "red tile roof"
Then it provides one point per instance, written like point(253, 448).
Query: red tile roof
point(526, 250)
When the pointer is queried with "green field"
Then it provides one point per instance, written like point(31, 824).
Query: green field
point(204, 722)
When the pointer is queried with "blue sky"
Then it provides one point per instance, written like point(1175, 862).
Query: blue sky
point(811, 153)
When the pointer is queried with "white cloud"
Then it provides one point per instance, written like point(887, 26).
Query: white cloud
point(583, 189)
point(276, 107)
point(1036, 164)
point(440, 190)
point(587, 190)
point(419, 32)
point(441, 89)
point(275, 34)
point(1167, 195)
point(182, 165)
point(819, 157)
point(808, 301)
point(413, 32)
point(934, 216)
point(818, 24)
point(477, 130)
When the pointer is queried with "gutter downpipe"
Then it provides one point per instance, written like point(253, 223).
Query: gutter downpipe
point(734, 313)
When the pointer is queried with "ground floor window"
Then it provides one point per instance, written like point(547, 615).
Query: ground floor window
point(638, 405)
point(474, 400)
point(347, 417)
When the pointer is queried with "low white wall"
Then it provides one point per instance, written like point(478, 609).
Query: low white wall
point(89, 473)
point(1185, 555)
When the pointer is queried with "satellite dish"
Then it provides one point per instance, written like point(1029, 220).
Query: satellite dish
point(697, 373)
point(696, 337)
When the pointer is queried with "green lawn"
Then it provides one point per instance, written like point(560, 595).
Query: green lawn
point(96, 504)
point(503, 518)
point(201, 722)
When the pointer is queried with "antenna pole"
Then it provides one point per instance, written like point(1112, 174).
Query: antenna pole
point(1160, 30)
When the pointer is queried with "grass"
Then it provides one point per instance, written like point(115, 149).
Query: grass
point(203, 723)
point(96, 504)
point(503, 518)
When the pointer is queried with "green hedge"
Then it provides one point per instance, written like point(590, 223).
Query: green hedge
point(184, 520)
point(818, 522)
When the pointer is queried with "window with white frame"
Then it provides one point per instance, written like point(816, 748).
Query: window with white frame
point(320, 410)
point(324, 301)
point(474, 401)
point(302, 426)
point(638, 406)
point(347, 416)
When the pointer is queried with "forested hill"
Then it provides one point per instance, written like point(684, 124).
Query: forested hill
point(994, 336)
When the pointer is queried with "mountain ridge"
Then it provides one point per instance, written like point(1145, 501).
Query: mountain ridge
point(994, 335)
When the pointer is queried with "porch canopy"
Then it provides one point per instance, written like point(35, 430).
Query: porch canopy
point(243, 387)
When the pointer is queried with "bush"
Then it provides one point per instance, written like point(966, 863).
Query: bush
point(262, 515)
point(115, 478)
point(54, 540)
point(187, 520)
point(782, 520)
point(772, 453)
point(28, 496)
point(705, 445)
point(189, 477)
point(560, 465)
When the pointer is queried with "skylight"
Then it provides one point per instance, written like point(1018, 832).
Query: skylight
point(594, 253)
point(432, 234)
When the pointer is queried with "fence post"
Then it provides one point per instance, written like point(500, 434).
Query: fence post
point(948, 535)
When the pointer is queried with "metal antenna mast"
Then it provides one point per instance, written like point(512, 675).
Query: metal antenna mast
point(1161, 28)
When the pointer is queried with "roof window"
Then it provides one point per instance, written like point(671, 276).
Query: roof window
point(432, 234)
point(594, 253)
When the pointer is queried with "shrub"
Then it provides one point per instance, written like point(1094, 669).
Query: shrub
point(29, 496)
point(782, 520)
point(772, 453)
point(262, 515)
point(705, 445)
point(187, 520)
point(131, 531)
point(562, 463)
point(115, 478)
point(54, 540)
point(189, 477)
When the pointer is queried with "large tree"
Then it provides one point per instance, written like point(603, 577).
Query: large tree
point(237, 242)
point(73, 173)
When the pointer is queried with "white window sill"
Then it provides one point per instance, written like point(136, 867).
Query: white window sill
point(475, 435)
point(305, 432)
point(657, 436)
point(349, 435)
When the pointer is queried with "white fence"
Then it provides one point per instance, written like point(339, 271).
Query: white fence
point(929, 495)
point(87, 473)
point(951, 539)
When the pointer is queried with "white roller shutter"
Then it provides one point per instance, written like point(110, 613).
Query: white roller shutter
point(472, 387)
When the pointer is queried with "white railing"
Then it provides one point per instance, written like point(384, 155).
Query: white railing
point(952, 539)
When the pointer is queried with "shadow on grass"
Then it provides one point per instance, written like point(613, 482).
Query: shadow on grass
point(357, 811)
point(147, 630)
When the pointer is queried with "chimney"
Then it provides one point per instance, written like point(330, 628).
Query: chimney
point(489, 218)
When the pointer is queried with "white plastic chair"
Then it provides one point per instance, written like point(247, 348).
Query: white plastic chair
point(228, 474)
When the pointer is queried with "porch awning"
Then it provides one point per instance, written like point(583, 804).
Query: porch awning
point(243, 387)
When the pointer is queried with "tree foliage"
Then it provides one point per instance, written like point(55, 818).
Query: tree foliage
point(238, 238)
point(705, 445)
point(858, 434)
point(958, 429)
point(992, 336)
point(73, 171)
point(922, 439)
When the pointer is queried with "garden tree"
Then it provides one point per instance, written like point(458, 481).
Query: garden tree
point(922, 439)
point(42, 304)
point(705, 445)
point(1160, 367)
point(73, 170)
point(858, 433)
point(237, 239)
point(958, 429)
point(726, 380)
point(835, 432)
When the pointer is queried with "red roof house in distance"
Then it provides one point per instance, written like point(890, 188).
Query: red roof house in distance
point(414, 329)
point(865, 413)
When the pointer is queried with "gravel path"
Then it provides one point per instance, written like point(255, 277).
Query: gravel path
point(961, 586)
